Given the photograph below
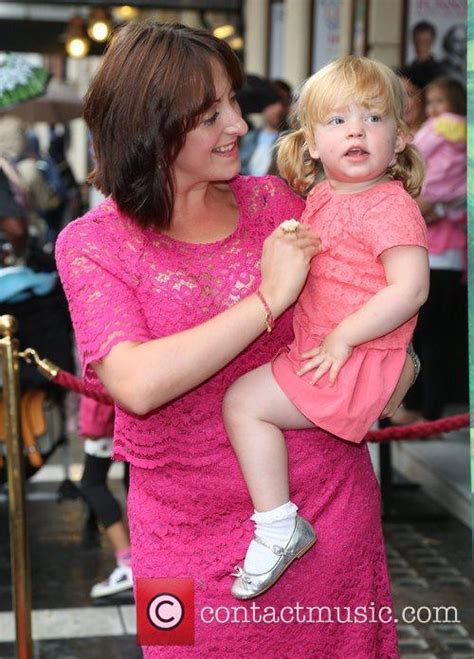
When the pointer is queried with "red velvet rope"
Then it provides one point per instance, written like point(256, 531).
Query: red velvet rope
point(69, 381)
point(417, 431)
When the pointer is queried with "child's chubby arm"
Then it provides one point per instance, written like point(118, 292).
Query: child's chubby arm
point(407, 273)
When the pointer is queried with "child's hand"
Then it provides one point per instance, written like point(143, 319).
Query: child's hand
point(330, 356)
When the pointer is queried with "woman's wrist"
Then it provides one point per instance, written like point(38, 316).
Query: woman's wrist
point(274, 301)
point(269, 317)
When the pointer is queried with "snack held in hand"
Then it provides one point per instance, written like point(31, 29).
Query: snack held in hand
point(290, 226)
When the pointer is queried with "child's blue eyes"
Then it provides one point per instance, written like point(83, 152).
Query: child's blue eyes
point(372, 119)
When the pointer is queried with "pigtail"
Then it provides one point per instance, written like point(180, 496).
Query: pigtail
point(294, 161)
point(409, 169)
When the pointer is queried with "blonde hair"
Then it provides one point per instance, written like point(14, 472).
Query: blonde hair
point(348, 80)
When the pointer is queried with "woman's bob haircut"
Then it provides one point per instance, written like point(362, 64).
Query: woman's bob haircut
point(154, 84)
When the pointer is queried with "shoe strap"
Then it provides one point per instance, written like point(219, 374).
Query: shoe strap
point(278, 550)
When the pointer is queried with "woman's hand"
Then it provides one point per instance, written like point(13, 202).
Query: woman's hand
point(403, 385)
point(330, 356)
point(285, 264)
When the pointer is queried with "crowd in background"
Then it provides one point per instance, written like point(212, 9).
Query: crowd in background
point(436, 115)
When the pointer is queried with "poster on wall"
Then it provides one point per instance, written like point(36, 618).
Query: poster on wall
point(326, 32)
point(448, 18)
point(359, 28)
point(277, 19)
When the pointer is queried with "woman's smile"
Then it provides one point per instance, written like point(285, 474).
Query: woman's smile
point(227, 150)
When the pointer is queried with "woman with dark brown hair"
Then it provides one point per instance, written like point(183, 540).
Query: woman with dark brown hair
point(172, 282)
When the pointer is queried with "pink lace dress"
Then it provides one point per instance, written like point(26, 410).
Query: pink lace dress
point(188, 506)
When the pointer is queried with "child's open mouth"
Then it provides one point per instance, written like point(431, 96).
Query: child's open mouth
point(356, 151)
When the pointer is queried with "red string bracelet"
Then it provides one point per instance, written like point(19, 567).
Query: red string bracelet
point(269, 319)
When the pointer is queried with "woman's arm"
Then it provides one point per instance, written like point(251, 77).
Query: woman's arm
point(407, 274)
point(144, 376)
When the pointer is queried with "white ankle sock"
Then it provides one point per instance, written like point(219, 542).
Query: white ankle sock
point(275, 527)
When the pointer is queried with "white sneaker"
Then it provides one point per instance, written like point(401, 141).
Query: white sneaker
point(120, 579)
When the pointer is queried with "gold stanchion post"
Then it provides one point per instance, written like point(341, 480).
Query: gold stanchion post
point(16, 489)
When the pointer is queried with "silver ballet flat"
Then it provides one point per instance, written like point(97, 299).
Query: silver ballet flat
point(248, 585)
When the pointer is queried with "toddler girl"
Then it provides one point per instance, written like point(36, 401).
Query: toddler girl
point(356, 314)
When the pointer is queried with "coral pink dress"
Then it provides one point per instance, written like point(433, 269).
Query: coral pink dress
point(188, 504)
point(354, 229)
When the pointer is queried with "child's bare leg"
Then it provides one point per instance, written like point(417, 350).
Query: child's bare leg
point(255, 412)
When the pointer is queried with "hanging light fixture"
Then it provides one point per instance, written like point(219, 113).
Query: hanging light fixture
point(125, 13)
point(228, 33)
point(100, 25)
point(224, 31)
point(77, 43)
point(236, 43)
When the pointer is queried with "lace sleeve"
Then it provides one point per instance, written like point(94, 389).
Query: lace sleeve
point(284, 204)
point(100, 292)
point(270, 199)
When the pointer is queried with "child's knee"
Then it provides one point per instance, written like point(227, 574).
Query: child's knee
point(236, 402)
